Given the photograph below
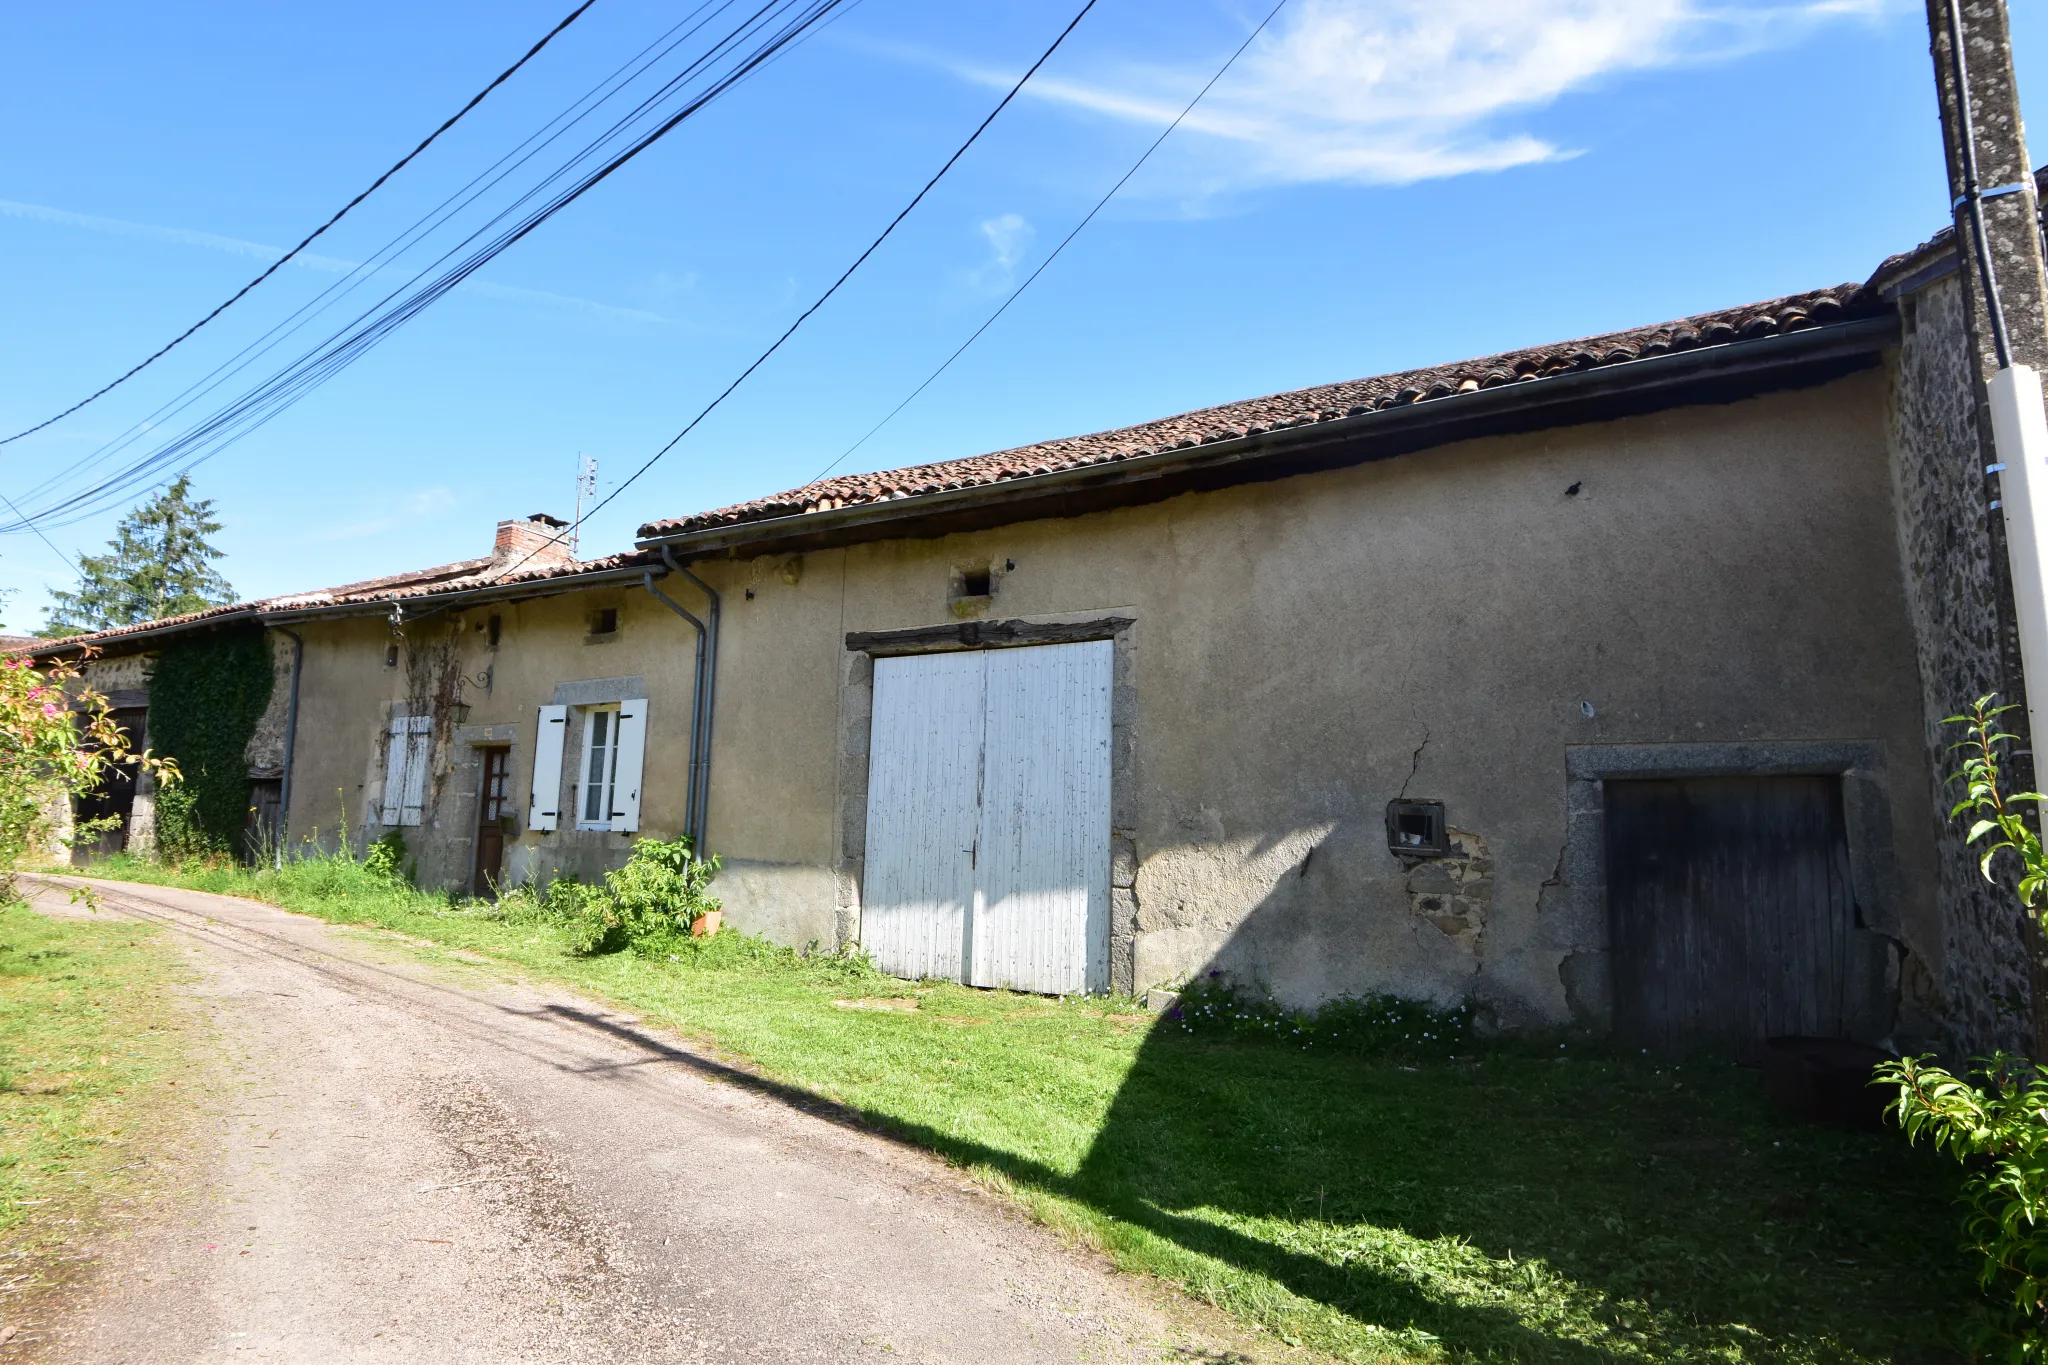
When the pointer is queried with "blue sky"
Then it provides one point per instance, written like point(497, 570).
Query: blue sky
point(1378, 184)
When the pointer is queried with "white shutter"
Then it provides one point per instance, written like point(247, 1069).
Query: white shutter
point(632, 745)
point(395, 748)
point(549, 737)
point(419, 741)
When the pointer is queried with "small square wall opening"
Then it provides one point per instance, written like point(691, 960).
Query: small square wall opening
point(976, 582)
point(1416, 829)
point(604, 621)
point(391, 656)
point(494, 630)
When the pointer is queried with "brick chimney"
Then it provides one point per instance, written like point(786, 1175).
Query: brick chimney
point(536, 542)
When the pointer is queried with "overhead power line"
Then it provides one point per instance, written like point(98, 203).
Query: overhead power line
point(1053, 255)
point(847, 274)
point(761, 34)
point(484, 181)
point(309, 238)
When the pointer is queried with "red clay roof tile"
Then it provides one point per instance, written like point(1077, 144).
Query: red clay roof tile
point(1276, 412)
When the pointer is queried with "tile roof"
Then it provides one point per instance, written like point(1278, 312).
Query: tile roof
point(462, 576)
point(1303, 407)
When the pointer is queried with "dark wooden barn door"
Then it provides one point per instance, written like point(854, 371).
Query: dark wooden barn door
point(1732, 915)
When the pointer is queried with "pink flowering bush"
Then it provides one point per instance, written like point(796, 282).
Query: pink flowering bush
point(57, 740)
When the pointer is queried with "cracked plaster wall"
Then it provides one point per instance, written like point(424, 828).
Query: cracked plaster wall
point(1707, 574)
point(1723, 573)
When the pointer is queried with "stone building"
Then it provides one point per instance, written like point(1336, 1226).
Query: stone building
point(1599, 681)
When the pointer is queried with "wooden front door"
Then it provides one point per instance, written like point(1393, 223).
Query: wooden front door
point(1733, 916)
point(493, 804)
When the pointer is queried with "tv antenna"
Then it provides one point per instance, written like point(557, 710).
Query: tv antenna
point(586, 487)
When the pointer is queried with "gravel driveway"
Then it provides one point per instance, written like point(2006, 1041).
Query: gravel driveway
point(407, 1163)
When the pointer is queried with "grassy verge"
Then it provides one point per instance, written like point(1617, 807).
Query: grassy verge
point(87, 1047)
point(1537, 1200)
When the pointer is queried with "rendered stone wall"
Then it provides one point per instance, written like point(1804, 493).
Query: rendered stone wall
point(1953, 592)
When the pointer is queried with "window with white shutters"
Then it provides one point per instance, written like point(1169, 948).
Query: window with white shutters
point(406, 757)
point(609, 764)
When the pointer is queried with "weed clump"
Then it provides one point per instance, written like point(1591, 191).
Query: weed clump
point(385, 860)
point(1215, 1008)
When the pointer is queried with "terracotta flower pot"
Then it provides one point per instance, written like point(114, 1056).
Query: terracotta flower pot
point(706, 924)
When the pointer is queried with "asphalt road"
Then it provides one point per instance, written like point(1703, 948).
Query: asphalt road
point(406, 1163)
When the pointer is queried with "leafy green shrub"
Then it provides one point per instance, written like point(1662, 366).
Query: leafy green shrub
point(58, 742)
point(1374, 1024)
point(1999, 1129)
point(648, 905)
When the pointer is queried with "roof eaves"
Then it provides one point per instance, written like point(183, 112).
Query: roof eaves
point(1418, 425)
point(1543, 364)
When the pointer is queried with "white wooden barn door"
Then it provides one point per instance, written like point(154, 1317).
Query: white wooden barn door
point(924, 784)
point(988, 818)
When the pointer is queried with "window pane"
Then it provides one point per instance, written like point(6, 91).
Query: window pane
point(595, 797)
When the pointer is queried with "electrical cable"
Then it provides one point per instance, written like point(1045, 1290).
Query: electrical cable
point(1054, 254)
point(362, 272)
point(43, 538)
point(794, 17)
point(1973, 194)
point(307, 241)
point(859, 260)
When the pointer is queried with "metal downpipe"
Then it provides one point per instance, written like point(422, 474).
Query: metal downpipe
point(696, 706)
point(709, 694)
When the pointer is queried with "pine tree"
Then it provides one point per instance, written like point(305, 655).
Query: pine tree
point(158, 564)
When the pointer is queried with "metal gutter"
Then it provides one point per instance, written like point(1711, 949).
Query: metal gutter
point(438, 602)
point(1716, 374)
point(369, 606)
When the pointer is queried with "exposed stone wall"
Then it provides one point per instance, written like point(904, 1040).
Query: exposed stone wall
point(1953, 591)
point(123, 673)
point(1454, 892)
point(265, 751)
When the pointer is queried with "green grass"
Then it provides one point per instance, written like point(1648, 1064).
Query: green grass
point(88, 1047)
point(1535, 1200)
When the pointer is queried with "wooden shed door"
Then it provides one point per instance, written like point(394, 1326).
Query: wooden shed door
point(1732, 915)
point(988, 818)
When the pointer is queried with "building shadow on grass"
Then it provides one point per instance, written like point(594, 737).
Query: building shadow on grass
point(1512, 1207)
point(1519, 1206)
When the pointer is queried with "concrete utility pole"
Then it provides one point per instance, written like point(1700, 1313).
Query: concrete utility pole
point(1997, 225)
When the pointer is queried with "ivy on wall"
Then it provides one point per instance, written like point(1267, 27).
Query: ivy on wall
point(206, 697)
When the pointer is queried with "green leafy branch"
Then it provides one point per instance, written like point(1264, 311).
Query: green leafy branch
point(1995, 812)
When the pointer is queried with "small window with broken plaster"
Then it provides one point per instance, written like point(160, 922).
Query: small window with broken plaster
point(1416, 829)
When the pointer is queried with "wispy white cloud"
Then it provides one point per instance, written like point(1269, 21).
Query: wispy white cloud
point(425, 502)
point(330, 265)
point(1398, 91)
point(1009, 236)
point(416, 505)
